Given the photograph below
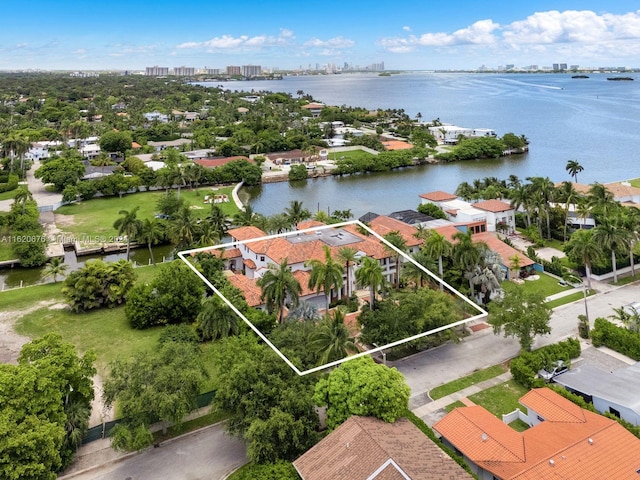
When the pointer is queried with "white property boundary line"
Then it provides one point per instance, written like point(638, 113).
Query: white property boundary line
point(184, 253)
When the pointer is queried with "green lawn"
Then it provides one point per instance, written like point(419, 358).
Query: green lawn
point(635, 182)
point(568, 299)
point(350, 155)
point(8, 195)
point(628, 279)
point(519, 426)
point(464, 382)
point(546, 284)
point(95, 217)
point(500, 399)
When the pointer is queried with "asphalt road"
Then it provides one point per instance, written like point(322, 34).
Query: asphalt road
point(483, 349)
point(207, 454)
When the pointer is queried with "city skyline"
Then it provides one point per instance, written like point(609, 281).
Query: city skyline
point(290, 35)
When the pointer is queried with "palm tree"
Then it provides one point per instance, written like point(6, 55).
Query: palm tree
point(573, 167)
point(296, 212)
point(15, 145)
point(543, 193)
point(23, 195)
point(216, 320)
point(279, 222)
point(612, 235)
point(630, 218)
point(183, 229)
point(488, 275)
point(331, 339)
point(278, 286)
point(436, 245)
point(244, 218)
point(414, 272)
point(398, 241)
point(326, 275)
point(128, 224)
point(582, 247)
point(150, 233)
point(55, 267)
point(571, 197)
point(102, 160)
point(369, 274)
point(521, 198)
point(218, 220)
point(600, 200)
point(348, 255)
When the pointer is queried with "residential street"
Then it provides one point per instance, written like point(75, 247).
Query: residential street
point(211, 454)
point(207, 454)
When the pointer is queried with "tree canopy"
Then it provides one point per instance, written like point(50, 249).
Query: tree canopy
point(362, 387)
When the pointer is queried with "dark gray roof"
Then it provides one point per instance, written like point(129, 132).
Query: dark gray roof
point(621, 386)
point(410, 217)
point(368, 217)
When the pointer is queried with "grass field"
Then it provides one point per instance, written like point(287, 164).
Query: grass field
point(8, 195)
point(500, 399)
point(546, 284)
point(350, 155)
point(464, 382)
point(95, 217)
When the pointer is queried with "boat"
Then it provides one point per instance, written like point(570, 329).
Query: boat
point(580, 76)
point(620, 79)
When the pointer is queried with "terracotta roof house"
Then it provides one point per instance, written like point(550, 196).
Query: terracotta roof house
point(383, 225)
point(365, 448)
point(258, 251)
point(437, 196)
point(500, 215)
point(314, 108)
point(219, 161)
point(505, 251)
point(563, 442)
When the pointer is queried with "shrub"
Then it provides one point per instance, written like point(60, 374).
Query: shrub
point(525, 366)
point(583, 326)
point(8, 183)
point(616, 338)
point(281, 470)
point(298, 172)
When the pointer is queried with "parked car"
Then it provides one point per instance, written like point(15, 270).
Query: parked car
point(558, 367)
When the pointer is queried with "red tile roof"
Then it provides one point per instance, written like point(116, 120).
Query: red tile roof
point(309, 224)
point(502, 249)
point(314, 106)
point(246, 233)
point(249, 288)
point(229, 253)
point(383, 225)
point(571, 443)
point(217, 162)
point(363, 447)
point(494, 206)
point(438, 196)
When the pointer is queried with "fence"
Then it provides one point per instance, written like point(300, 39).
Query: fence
point(103, 430)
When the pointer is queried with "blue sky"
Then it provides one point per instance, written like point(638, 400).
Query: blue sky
point(405, 34)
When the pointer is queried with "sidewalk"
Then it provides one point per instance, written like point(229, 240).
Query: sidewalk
point(434, 411)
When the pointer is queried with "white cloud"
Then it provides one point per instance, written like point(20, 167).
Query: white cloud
point(406, 28)
point(332, 43)
point(229, 42)
point(584, 31)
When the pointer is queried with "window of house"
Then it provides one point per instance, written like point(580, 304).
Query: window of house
point(262, 258)
point(483, 228)
point(615, 412)
point(540, 419)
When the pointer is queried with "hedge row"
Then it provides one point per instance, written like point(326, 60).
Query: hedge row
point(8, 182)
point(525, 367)
point(616, 338)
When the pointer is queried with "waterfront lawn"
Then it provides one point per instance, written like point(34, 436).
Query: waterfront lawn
point(464, 382)
point(95, 217)
point(350, 155)
point(635, 182)
point(22, 298)
point(6, 252)
point(546, 284)
point(501, 399)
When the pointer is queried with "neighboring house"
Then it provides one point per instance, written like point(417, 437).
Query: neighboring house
point(411, 217)
point(314, 108)
point(90, 151)
point(365, 448)
point(575, 218)
point(448, 134)
point(616, 392)
point(156, 117)
point(498, 213)
point(159, 146)
point(92, 172)
point(384, 225)
point(506, 253)
point(42, 150)
point(457, 211)
point(219, 161)
point(563, 442)
point(290, 157)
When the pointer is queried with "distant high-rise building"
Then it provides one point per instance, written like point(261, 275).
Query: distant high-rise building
point(563, 66)
point(157, 71)
point(234, 70)
point(251, 71)
point(556, 67)
point(184, 71)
